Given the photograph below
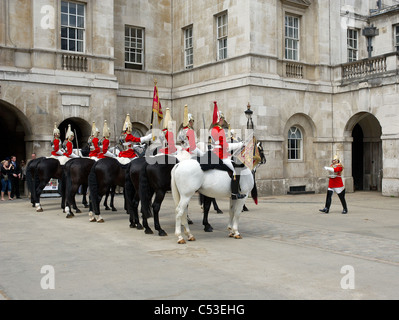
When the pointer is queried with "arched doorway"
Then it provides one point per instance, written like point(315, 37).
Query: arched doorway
point(80, 128)
point(14, 127)
point(366, 151)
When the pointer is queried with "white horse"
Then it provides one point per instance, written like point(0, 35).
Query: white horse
point(188, 178)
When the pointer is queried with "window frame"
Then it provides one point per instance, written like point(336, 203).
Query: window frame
point(222, 31)
point(396, 37)
point(292, 38)
point(72, 27)
point(295, 144)
point(352, 50)
point(188, 39)
point(134, 51)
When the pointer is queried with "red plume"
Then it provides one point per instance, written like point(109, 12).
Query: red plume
point(215, 113)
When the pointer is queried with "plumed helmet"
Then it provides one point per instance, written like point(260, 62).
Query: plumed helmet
point(69, 134)
point(167, 120)
point(94, 129)
point(186, 117)
point(336, 157)
point(106, 132)
point(127, 126)
point(56, 130)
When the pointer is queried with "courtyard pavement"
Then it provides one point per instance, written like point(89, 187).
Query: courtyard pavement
point(289, 251)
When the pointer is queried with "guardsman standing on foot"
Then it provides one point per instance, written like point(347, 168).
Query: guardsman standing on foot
point(222, 148)
point(105, 143)
point(93, 142)
point(56, 143)
point(170, 147)
point(130, 139)
point(335, 185)
point(69, 146)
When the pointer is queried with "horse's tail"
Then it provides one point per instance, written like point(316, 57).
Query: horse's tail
point(146, 193)
point(254, 192)
point(175, 190)
point(93, 186)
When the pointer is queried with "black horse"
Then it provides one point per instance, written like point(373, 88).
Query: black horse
point(104, 174)
point(76, 174)
point(146, 177)
point(38, 174)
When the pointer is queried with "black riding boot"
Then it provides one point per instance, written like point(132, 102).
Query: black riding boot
point(235, 183)
point(343, 201)
point(328, 202)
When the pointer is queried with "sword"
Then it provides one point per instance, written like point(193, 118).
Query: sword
point(77, 143)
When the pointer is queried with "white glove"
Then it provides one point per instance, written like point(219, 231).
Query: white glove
point(60, 153)
point(73, 155)
point(329, 169)
point(236, 145)
point(146, 138)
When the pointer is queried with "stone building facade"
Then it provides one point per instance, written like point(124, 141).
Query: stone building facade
point(305, 66)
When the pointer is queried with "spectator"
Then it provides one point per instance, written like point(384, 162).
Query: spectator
point(16, 176)
point(6, 173)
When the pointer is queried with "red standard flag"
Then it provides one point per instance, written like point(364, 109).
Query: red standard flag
point(156, 105)
point(250, 156)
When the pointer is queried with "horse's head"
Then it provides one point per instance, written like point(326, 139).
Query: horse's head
point(261, 153)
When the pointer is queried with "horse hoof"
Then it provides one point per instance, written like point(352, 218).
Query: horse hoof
point(191, 238)
point(107, 208)
point(162, 233)
point(208, 229)
point(69, 216)
point(100, 221)
point(148, 231)
point(93, 220)
point(133, 226)
point(231, 235)
point(39, 210)
point(182, 241)
point(78, 211)
point(238, 236)
point(114, 209)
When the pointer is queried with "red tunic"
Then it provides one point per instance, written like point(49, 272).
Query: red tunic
point(219, 138)
point(56, 147)
point(69, 149)
point(101, 155)
point(337, 181)
point(190, 134)
point(171, 146)
point(97, 150)
point(129, 153)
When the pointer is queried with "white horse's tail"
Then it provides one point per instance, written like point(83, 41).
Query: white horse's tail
point(173, 186)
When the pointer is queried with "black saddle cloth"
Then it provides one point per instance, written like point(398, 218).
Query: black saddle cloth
point(211, 161)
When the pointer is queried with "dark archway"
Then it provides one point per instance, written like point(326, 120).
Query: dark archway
point(14, 127)
point(80, 128)
point(367, 155)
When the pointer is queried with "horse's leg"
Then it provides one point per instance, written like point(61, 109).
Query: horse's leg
point(207, 205)
point(111, 204)
point(181, 219)
point(106, 200)
point(38, 192)
point(235, 211)
point(156, 207)
point(74, 191)
point(84, 195)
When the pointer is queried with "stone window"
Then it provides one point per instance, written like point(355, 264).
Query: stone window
point(396, 41)
point(222, 32)
point(134, 48)
point(352, 44)
point(294, 144)
point(188, 48)
point(291, 38)
point(73, 26)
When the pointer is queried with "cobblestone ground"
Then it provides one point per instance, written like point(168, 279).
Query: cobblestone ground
point(288, 251)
